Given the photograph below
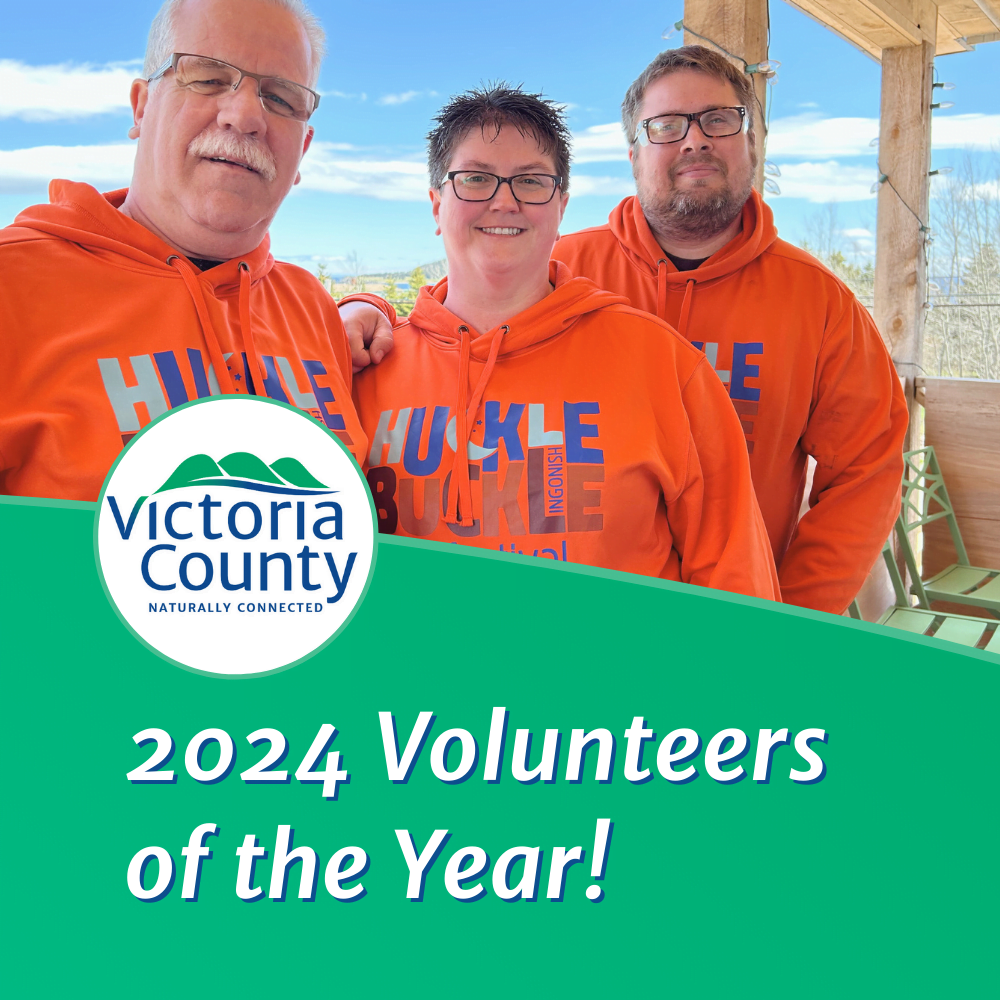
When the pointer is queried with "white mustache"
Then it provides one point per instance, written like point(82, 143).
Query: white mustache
point(211, 143)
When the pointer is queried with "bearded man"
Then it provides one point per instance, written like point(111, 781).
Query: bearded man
point(120, 306)
point(804, 365)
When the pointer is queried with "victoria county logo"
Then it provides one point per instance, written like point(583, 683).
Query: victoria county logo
point(235, 535)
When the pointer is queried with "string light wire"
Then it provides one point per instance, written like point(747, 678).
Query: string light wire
point(732, 55)
point(765, 116)
point(924, 228)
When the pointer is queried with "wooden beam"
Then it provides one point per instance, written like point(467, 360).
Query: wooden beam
point(991, 8)
point(874, 25)
point(904, 157)
point(949, 39)
point(961, 20)
point(914, 19)
point(740, 28)
point(839, 26)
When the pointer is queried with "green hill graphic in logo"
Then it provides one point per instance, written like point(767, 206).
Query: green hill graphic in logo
point(246, 471)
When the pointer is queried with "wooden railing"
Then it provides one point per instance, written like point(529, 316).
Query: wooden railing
point(962, 422)
point(961, 419)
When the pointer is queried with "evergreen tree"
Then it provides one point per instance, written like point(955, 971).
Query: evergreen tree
point(417, 280)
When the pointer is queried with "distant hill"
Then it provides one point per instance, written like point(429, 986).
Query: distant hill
point(433, 272)
point(392, 285)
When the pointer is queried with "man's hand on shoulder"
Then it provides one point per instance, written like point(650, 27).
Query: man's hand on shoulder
point(368, 332)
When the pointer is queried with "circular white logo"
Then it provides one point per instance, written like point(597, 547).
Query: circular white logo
point(235, 535)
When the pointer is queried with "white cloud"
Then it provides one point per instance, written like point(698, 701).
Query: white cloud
point(110, 166)
point(106, 166)
point(405, 97)
point(347, 97)
point(581, 185)
point(48, 93)
point(989, 189)
point(387, 180)
point(973, 131)
point(862, 240)
point(399, 98)
point(824, 182)
point(600, 144)
point(814, 136)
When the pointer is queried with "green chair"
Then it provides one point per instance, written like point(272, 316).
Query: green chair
point(962, 629)
point(966, 631)
point(925, 500)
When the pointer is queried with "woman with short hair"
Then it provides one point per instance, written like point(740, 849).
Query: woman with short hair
point(527, 411)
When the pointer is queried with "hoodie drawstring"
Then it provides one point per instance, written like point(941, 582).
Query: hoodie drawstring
point(219, 366)
point(661, 289)
point(253, 360)
point(682, 323)
point(661, 297)
point(222, 375)
point(459, 506)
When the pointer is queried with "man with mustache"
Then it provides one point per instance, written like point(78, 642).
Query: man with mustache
point(804, 364)
point(120, 306)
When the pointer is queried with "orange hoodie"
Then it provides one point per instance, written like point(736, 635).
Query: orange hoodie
point(807, 372)
point(543, 437)
point(106, 327)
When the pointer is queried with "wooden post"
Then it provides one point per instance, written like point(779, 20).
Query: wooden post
point(741, 28)
point(904, 156)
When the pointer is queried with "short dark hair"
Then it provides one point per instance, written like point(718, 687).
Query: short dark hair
point(489, 109)
point(696, 57)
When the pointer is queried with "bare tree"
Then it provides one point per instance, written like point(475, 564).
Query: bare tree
point(962, 329)
point(354, 265)
point(962, 332)
point(827, 240)
point(824, 236)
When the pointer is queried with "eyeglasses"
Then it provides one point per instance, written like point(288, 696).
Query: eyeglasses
point(213, 78)
point(477, 185)
point(714, 124)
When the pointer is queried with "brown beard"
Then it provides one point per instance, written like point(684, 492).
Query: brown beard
point(695, 213)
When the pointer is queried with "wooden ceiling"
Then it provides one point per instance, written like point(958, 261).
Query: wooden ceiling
point(874, 25)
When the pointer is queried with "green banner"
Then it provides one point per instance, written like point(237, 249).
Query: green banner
point(834, 834)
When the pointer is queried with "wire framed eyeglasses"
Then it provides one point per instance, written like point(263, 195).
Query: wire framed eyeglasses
point(213, 78)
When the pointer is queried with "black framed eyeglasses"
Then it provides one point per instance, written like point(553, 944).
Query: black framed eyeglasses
point(714, 124)
point(529, 189)
point(213, 78)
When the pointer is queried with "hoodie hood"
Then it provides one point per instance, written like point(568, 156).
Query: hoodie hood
point(557, 312)
point(80, 214)
point(546, 319)
point(637, 242)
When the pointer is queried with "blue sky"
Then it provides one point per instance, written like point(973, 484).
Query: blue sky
point(65, 70)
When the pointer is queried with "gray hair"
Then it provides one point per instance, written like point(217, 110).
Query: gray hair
point(160, 45)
